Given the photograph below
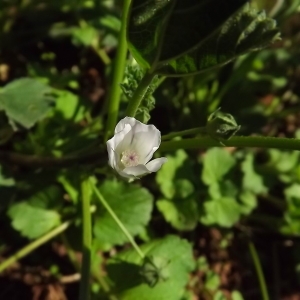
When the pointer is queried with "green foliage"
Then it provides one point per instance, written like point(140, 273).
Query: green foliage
point(180, 205)
point(181, 213)
point(226, 203)
point(223, 211)
point(161, 43)
point(36, 215)
point(133, 76)
point(216, 164)
point(133, 206)
point(56, 75)
point(155, 35)
point(174, 265)
point(291, 216)
point(221, 126)
point(26, 101)
point(251, 180)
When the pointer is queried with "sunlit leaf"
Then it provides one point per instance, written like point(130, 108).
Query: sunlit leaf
point(181, 213)
point(176, 260)
point(26, 101)
point(236, 295)
point(36, 215)
point(133, 206)
point(216, 163)
point(248, 202)
point(212, 280)
point(252, 181)
point(173, 176)
point(223, 212)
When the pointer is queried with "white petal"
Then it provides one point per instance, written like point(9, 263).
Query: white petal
point(119, 137)
point(122, 123)
point(137, 171)
point(146, 141)
point(112, 158)
point(113, 145)
point(155, 164)
point(125, 175)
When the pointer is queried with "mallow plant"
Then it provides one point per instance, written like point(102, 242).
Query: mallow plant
point(157, 40)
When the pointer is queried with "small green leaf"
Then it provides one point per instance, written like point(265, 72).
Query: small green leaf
point(251, 180)
point(216, 163)
point(36, 216)
point(133, 206)
point(133, 76)
point(223, 212)
point(181, 213)
point(202, 264)
point(69, 106)
point(175, 261)
point(292, 213)
point(236, 295)
point(85, 35)
point(283, 161)
point(26, 101)
point(248, 202)
point(212, 280)
point(169, 179)
point(32, 221)
point(219, 296)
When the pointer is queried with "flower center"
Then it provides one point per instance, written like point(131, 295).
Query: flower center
point(129, 158)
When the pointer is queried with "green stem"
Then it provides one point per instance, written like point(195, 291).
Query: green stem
point(118, 73)
point(116, 219)
point(95, 271)
point(34, 245)
point(104, 285)
point(259, 272)
point(36, 161)
point(84, 290)
point(70, 252)
point(236, 141)
point(193, 131)
point(139, 93)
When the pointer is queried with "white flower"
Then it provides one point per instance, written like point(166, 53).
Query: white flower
point(131, 148)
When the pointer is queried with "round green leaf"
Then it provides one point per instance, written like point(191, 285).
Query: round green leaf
point(32, 221)
point(216, 163)
point(176, 261)
point(133, 206)
point(181, 213)
point(26, 101)
point(224, 212)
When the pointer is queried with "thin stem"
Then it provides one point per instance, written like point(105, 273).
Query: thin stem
point(49, 162)
point(117, 220)
point(34, 245)
point(70, 252)
point(34, 161)
point(118, 73)
point(259, 271)
point(84, 290)
point(139, 94)
point(104, 285)
point(193, 131)
point(236, 141)
point(95, 271)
